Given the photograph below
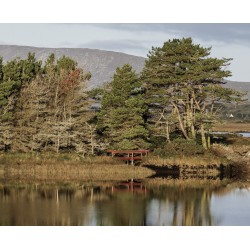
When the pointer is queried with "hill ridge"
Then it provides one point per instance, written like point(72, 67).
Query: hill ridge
point(101, 63)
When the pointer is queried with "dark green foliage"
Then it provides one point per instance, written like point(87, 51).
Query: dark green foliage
point(13, 75)
point(180, 147)
point(121, 119)
point(30, 68)
point(65, 63)
point(183, 88)
point(22, 71)
point(50, 64)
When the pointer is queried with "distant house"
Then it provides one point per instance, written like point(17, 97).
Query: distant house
point(230, 115)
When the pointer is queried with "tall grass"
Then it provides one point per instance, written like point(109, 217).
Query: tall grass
point(188, 161)
point(68, 167)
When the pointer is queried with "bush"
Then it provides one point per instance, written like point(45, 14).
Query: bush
point(180, 147)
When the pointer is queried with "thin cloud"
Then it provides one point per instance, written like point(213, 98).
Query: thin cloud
point(117, 45)
point(226, 33)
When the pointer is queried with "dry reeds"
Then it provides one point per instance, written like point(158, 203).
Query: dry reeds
point(187, 161)
point(88, 169)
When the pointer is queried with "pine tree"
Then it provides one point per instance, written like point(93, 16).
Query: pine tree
point(182, 83)
point(122, 116)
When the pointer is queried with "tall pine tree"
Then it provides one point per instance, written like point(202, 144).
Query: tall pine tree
point(183, 87)
point(122, 116)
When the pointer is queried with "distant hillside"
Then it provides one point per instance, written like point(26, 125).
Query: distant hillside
point(240, 86)
point(100, 63)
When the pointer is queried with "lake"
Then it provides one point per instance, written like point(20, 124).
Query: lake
point(127, 203)
point(243, 134)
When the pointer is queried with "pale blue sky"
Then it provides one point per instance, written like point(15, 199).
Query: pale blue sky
point(227, 40)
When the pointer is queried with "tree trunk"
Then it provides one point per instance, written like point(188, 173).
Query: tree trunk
point(180, 122)
point(167, 133)
point(190, 123)
point(209, 140)
point(203, 137)
point(92, 144)
point(58, 143)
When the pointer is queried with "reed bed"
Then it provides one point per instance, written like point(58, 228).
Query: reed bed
point(48, 167)
point(184, 162)
point(88, 169)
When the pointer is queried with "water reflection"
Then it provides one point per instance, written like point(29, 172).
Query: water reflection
point(122, 203)
point(174, 207)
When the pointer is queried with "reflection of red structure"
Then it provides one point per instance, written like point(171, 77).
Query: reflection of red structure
point(130, 186)
point(129, 155)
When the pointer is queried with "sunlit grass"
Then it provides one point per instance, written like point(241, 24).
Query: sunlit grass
point(198, 160)
point(68, 167)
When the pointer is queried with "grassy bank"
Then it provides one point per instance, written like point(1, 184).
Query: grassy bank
point(188, 161)
point(67, 167)
point(71, 167)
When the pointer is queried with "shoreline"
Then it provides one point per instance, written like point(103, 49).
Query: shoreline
point(106, 169)
point(229, 156)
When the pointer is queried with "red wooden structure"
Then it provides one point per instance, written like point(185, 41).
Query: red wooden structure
point(130, 186)
point(129, 155)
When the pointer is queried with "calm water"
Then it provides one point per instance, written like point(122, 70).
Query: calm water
point(125, 205)
point(243, 134)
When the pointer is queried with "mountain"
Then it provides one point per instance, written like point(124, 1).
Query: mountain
point(240, 86)
point(102, 64)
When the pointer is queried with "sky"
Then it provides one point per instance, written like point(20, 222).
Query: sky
point(228, 40)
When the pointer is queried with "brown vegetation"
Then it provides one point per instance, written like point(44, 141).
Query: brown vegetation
point(65, 168)
point(232, 127)
point(188, 161)
point(191, 182)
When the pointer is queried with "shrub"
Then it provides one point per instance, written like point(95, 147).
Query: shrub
point(180, 147)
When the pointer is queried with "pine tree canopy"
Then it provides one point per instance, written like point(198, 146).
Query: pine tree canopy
point(121, 118)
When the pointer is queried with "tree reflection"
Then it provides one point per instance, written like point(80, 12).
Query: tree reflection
point(112, 205)
point(186, 207)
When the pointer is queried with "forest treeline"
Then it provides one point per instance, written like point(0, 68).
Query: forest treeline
point(177, 96)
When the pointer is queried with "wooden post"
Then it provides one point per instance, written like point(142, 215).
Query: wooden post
point(132, 187)
point(57, 200)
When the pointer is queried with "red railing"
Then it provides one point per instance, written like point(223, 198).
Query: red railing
point(129, 155)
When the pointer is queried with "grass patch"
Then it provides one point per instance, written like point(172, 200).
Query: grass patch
point(42, 167)
point(204, 160)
